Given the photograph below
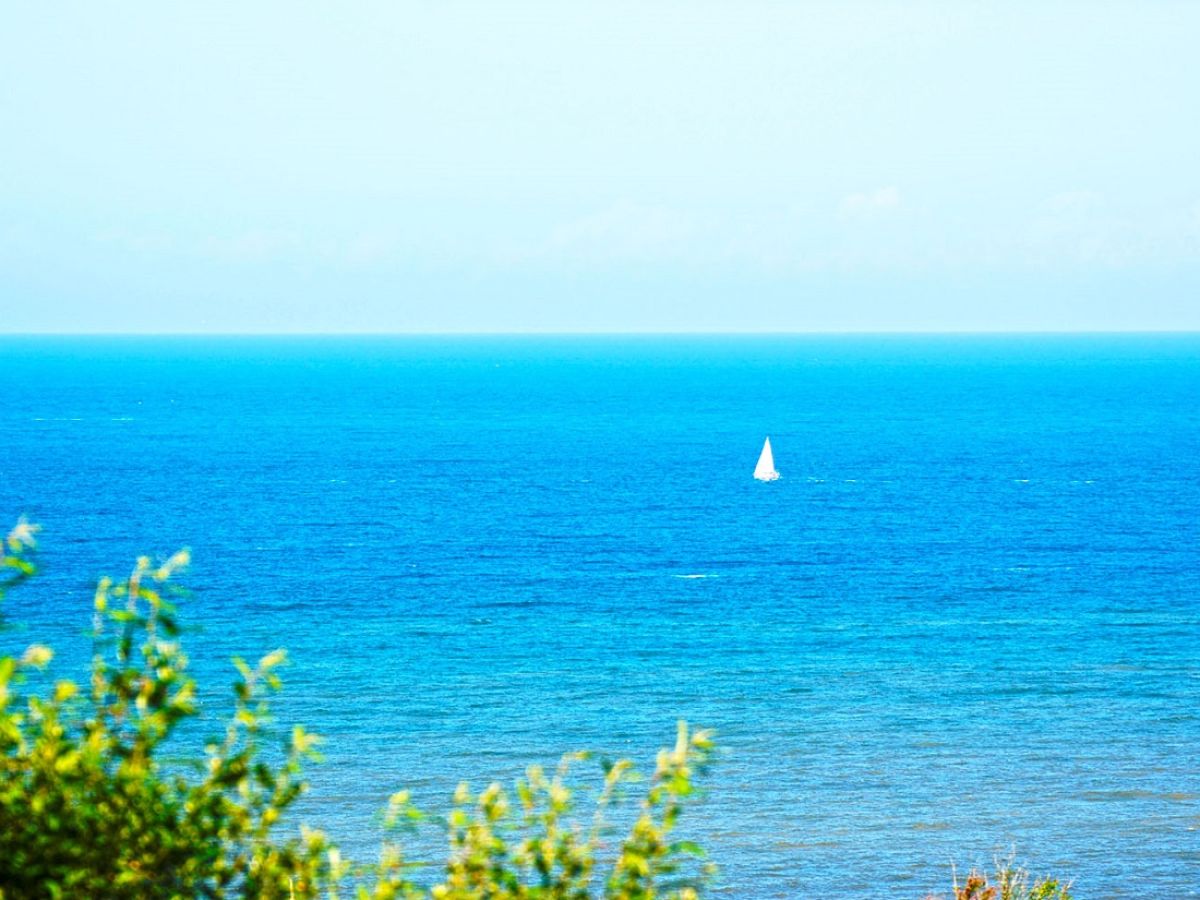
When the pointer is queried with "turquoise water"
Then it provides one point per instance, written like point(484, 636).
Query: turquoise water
point(967, 618)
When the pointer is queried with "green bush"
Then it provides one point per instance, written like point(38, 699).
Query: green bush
point(89, 809)
point(1009, 882)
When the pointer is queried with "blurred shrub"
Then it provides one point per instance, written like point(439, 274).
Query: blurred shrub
point(1009, 882)
point(88, 808)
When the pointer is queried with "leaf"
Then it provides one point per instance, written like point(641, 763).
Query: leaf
point(37, 655)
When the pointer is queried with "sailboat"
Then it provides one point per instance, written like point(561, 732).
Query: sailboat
point(765, 470)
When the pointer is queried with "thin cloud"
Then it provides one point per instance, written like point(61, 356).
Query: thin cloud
point(249, 246)
point(869, 204)
point(625, 230)
point(1080, 202)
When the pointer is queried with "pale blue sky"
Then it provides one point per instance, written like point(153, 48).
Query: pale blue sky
point(649, 166)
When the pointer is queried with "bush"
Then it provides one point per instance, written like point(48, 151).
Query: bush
point(1009, 882)
point(88, 808)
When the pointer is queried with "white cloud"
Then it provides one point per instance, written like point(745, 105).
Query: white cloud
point(364, 248)
point(624, 230)
point(140, 242)
point(1080, 227)
point(1076, 202)
point(1084, 228)
point(869, 204)
point(249, 246)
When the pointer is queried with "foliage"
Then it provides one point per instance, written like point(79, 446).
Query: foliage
point(89, 808)
point(1009, 882)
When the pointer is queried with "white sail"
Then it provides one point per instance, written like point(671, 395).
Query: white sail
point(765, 470)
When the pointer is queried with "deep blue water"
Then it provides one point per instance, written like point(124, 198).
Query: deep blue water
point(967, 618)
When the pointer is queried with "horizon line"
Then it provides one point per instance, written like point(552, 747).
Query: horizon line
point(950, 332)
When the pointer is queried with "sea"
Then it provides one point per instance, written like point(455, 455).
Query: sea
point(964, 624)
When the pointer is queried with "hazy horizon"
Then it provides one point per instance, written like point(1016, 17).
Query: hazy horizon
point(1176, 333)
point(600, 168)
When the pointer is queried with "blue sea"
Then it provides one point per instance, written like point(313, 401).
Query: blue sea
point(966, 619)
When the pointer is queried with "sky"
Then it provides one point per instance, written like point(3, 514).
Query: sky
point(599, 167)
